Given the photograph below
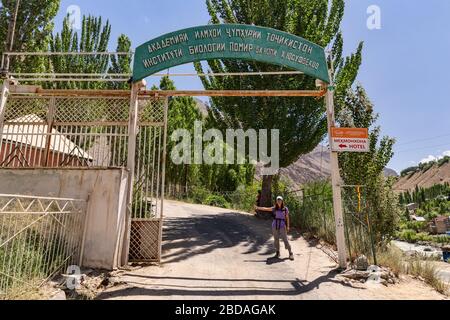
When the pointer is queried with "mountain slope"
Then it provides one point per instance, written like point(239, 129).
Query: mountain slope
point(424, 178)
point(315, 166)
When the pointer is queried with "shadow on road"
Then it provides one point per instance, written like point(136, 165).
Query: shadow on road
point(298, 287)
point(185, 237)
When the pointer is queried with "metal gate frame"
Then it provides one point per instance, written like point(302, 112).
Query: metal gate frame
point(143, 242)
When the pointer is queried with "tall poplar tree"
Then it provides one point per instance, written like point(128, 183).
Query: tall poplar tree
point(94, 38)
point(33, 31)
point(302, 121)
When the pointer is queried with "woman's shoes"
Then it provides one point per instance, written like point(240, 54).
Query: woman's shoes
point(291, 256)
point(277, 255)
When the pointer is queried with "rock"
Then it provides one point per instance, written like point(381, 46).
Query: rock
point(384, 275)
point(356, 275)
point(361, 263)
point(60, 295)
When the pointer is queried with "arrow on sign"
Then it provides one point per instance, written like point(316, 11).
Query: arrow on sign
point(342, 146)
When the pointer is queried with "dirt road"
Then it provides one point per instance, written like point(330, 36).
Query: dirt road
point(211, 253)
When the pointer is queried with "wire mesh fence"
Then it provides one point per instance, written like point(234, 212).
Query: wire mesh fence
point(39, 236)
point(64, 132)
point(358, 228)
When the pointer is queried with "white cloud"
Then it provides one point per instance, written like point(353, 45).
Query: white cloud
point(435, 158)
point(428, 159)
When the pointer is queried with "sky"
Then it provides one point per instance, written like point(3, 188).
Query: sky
point(405, 68)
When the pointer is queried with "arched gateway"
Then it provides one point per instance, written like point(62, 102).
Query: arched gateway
point(241, 42)
point(230, 41)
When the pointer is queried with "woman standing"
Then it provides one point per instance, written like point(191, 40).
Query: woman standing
point(280, 225)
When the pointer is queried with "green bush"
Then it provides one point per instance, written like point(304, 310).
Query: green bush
point(408, 235)
point(424, 236)
point(417, 226)
point(442, 239)
point(199, 194)
point(216, 201)
point(244, 198)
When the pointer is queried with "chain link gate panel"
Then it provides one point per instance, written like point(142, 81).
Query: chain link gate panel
point(148, 191)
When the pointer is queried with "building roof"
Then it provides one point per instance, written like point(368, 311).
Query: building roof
point(32, 131)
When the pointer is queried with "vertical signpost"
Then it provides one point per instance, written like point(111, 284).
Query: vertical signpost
point(336, 182)
point(341, 140)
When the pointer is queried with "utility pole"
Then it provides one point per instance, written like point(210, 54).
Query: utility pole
point(335, 175)
point(10, 40)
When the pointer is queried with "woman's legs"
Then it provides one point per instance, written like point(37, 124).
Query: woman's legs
point(276, 238)
point(284, 237)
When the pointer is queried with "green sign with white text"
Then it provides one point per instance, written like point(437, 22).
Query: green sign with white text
point(230, 41)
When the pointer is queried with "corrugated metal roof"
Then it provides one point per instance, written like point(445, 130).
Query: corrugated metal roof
point(32, 131)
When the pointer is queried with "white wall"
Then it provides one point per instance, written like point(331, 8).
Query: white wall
point(106, 190)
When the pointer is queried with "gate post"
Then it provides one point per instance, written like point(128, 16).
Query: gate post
point(131, 163)
point(3, 100)
point(336, 182)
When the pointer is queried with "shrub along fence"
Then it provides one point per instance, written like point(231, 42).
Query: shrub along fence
point(39, 236)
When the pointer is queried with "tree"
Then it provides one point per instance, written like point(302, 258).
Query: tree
point(366, 169)
point(33, 30)
point(122, 63)
point(94, 38)
point(302, 121)
point(183, 113)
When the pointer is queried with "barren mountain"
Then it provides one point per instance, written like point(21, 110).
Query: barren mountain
point(315, 166)
point(424, 178)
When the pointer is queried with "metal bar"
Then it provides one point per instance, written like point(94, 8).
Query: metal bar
point(175, 93)
point(70, 74)
point(73, 79)
point(48, 136)
point(219, 74)
point(67, 53)
point(2, 195)
point(84, 228)
point(235, 93)
point(164, 156)
point(132, 134)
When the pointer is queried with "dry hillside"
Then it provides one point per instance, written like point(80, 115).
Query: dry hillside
point(314, 166)
point(435, 175)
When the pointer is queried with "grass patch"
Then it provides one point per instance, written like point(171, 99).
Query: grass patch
point(423, 269)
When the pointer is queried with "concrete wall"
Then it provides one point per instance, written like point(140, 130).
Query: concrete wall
point(106, 191)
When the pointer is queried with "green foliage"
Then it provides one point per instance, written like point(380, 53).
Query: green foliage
point(409, 171)
point(199, 194)
point(414, 225)
point(244, 198)
point(443, 161)
point(216, 201)
point(407, 235)
point(302, 121)
point(94, 38)
point(122, 63)
point(30, 257)
point(366, 169)
point(33, 31)
point(183, 113)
